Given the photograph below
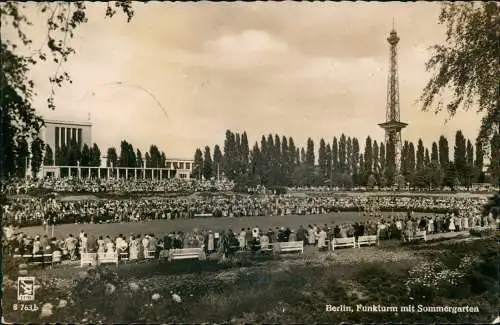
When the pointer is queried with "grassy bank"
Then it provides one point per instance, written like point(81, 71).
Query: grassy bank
point(291, 290)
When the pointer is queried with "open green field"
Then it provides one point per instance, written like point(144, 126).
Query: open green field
point(161, 227)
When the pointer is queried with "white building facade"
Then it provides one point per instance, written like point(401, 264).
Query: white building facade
point(58, 133)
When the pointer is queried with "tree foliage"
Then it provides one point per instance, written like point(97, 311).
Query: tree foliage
point(274, 162)
point(36, 155)
point(127, 156)
point(207, 164)
point(19, 120)
point(198, 164)
point(48, 158)
point(467, 64)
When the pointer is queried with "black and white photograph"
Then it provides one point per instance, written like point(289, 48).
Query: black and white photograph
point(267, 162)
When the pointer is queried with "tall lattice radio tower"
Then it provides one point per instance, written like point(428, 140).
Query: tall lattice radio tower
point(392, 124)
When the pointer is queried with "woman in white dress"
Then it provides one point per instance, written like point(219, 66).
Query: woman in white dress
point(451, 227)
point(211, 240)
point(430, 225)
point(100, 245)
point(466, 223)
point(322, 239)
point(133, 249)
point(110, 248)
point(311, 239)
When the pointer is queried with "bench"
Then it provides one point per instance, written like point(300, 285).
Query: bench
point(266, 247)
point(163, 253)
point(56, 257)
point(417, 235)
point(343, 242)
point(36, 259)
point(123, 256)
point(367, 240)
point(185, 253)
point(291, 246)
point(420, 235)
point(149, 254)
point(88, 259)
point(108, 257)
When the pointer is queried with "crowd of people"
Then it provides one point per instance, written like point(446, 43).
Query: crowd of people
point(101, 185)
point(171, 185)
point(227, 242)
point(39, 211)
point(443, 214)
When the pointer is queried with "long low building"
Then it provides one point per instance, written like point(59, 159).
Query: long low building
point(183, 170)
point(58, 133)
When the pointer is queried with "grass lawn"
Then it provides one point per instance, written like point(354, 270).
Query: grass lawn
point(162, 227)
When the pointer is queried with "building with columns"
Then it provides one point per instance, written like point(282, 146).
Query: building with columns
point(57, 133)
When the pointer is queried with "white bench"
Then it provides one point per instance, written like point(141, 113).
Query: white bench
point(149, 255)
point(124, 256)
point(479, 228)
point(56, 257)
point(186, 253)
point(163, 253)
point(37, 259)
point(343, 242)
point(108, 257)
point(267, 247)
point(367, 240)
point(420, 235)
point(88, 259)
point(291, 246)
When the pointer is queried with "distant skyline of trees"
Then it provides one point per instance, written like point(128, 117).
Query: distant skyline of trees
point(276, 161)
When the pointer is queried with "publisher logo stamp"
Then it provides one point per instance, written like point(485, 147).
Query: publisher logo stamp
point(26, 288)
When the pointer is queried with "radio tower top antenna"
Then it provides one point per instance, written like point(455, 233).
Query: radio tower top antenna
point(392, 124)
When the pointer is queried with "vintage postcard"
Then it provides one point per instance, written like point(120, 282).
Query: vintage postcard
point(250, 162)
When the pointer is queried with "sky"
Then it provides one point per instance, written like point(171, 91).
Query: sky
point(298, 69)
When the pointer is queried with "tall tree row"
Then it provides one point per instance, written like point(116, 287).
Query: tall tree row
point(276, 161)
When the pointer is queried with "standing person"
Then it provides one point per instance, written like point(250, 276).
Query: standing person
point(322, 240)
point(101, 245)
point(70, 243)
point(248, 237)
point(255, 232)
point(152, 245)
point(91, 244)
point(223, 245)
point(138, 241)
point(84, 243)
point(301, 234)
point(110, 248)
point(242, 239)
point(133, 249)
point(145, 246)
point(37, 249)
point(311, 236)
point(451, 226)
point(44, 243)
point(264, 242)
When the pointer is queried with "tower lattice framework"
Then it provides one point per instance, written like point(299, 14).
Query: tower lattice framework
point(393, 124)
